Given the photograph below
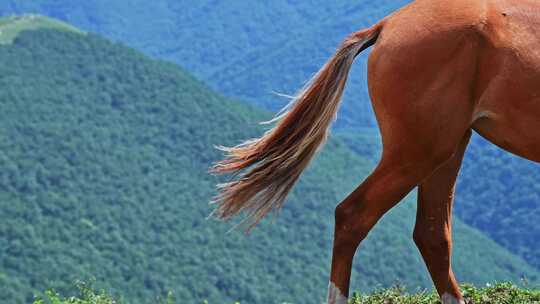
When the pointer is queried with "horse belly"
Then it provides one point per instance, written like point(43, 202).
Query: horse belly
point(508, 79)
point(516, 130)
point(507, 110)
point(508, 113)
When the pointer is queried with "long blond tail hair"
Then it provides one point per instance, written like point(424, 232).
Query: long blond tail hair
point(276, 160)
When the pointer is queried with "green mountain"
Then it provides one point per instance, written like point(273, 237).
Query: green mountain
point(104, 154)
point(250, 49)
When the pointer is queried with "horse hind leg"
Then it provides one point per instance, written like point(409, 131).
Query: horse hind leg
point(396, 175)
point(433, 229)
point(423, 115)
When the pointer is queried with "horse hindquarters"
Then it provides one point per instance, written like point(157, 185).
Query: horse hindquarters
point(422, 100)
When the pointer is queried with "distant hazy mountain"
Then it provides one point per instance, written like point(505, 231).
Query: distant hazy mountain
point(246, 49)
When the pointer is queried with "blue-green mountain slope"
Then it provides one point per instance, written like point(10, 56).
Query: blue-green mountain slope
point(104, 154)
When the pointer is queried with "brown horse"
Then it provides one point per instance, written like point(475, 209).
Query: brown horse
point(438, 70)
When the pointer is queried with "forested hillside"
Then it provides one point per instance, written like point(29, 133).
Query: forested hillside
point(250, 49)
point(104, 155)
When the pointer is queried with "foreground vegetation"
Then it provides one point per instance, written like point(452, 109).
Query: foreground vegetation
point(501, 293)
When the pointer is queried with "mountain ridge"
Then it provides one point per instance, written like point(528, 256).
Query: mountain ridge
point(12, 26)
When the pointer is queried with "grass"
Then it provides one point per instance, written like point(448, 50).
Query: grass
point(11, 26)
point(500, 293)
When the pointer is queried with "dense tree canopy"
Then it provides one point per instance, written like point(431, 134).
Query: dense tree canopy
point(104, 155)
point(249, 49)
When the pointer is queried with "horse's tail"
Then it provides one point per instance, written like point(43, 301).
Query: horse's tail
point(281, 154)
